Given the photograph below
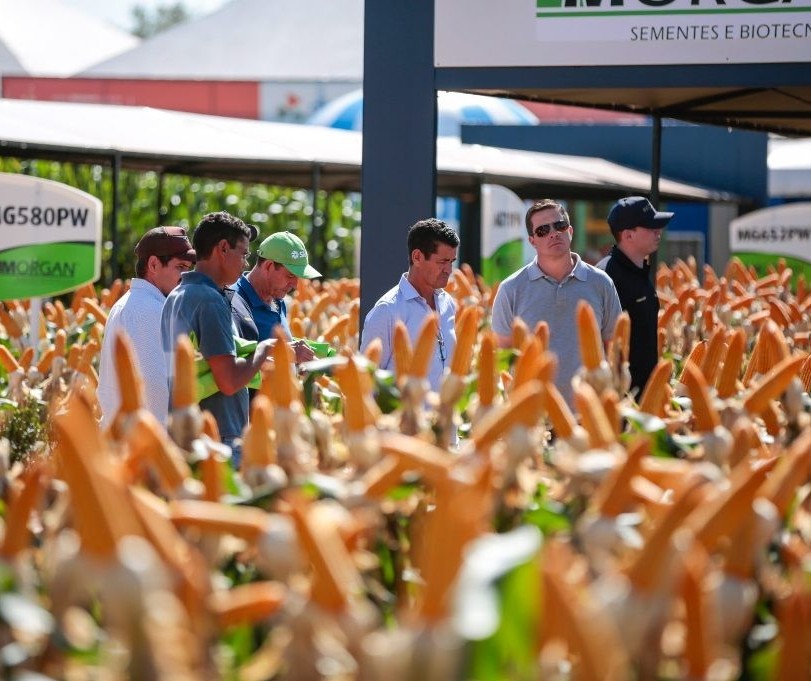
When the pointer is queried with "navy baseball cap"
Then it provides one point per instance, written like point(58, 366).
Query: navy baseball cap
point(636, 211)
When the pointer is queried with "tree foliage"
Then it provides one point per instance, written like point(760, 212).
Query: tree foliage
point(149, 23)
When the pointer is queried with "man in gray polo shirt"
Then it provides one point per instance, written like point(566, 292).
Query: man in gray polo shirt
point(549, 288)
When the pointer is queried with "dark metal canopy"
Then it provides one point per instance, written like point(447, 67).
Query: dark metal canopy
point(766, 97)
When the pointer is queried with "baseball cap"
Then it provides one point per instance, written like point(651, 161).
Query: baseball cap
point(636, 211)
point(170, 241)
point(287, 249)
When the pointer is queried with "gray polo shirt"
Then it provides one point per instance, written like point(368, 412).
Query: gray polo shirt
point(533, 296)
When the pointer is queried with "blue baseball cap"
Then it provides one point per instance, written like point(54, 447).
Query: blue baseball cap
point(636, 211)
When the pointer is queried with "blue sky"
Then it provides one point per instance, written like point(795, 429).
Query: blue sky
point(118, 12)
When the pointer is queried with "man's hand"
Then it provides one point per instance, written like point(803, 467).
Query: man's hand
point(304, 353)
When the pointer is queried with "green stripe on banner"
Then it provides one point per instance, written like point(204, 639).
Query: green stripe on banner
point(46, 269)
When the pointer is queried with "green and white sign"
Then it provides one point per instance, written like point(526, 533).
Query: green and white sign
point(761, 237)
point(503, 232)
point(50, 237)
point(620, 32)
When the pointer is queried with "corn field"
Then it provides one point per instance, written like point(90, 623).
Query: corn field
point(658, 536)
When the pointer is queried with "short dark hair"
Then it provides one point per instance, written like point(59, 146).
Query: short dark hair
point(426, 235)
point(213, 228)
point(538, 206)
point(140, 266)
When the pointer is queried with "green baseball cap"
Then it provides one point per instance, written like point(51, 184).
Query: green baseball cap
point(287, 249)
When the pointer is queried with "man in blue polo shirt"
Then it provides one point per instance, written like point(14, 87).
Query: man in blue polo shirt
point(199, 307)
point(258, 305)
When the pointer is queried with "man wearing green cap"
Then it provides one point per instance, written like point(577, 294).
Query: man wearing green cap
point(258, 306)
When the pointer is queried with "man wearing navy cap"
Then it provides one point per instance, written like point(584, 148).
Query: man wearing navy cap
point(163, 254)
point(637, 228)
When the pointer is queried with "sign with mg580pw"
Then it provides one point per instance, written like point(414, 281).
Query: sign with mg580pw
point(50, 237)
point(760, 237)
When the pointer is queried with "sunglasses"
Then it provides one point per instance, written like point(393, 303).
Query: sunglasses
point(559, 226)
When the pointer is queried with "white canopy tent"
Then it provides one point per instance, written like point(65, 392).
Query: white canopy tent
point(287, 154)
point(52, 38)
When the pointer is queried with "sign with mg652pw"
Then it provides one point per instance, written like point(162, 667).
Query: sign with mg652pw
point(761, 237)
point(50, 237)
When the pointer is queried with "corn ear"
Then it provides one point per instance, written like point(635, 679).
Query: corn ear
point(773, 384)
point(7, 360)
point(561, 417)
point(184, 387)
point(465, 338)
point(591, 344)
point(401, 348)
point(246, 604)
point(653, 400)
point(130, 384)
point(733, 362)
point(487, 369)
point(425, 347)
point(525, 408)
point(704, 413)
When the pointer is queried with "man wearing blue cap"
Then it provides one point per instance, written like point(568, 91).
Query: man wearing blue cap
point(637, 228)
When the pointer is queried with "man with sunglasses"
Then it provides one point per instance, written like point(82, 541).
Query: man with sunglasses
point(637, 228)
point(549, 288)
point(163, 254)
point(198, 307)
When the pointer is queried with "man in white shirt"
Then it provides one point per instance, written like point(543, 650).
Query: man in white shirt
point(432, 247)
point(163, 254)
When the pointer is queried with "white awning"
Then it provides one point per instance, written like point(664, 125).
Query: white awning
point(288, 154)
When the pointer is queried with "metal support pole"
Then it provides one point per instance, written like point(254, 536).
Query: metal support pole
point(655, 172)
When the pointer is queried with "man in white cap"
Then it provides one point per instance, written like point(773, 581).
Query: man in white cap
point(163, 253)
point(258, 305)
point(637, 228)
